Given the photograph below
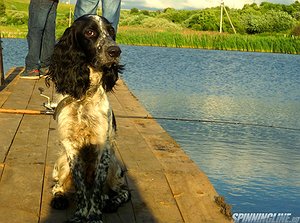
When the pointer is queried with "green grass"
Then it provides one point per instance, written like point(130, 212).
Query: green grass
point(21, 7)
point(274, 44)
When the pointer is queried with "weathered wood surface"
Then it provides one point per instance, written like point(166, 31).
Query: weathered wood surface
point(166, 185)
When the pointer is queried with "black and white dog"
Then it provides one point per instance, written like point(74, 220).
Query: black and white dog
point(85, 65)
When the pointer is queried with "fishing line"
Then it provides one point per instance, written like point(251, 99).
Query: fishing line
point(50, 112)
point(208, 121)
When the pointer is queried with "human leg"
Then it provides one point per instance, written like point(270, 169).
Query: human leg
point(48, 40)
point(111, 11)
point(84, 7)
point(36, 23)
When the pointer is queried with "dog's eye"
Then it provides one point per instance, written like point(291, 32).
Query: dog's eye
point(111, 31)
point(90, 33)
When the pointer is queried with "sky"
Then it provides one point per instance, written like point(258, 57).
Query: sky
point(189, 4)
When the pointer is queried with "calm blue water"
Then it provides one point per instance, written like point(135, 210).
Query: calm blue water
point(256, 168)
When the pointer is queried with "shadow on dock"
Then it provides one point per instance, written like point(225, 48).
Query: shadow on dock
point(125, 214)
point(11, 74)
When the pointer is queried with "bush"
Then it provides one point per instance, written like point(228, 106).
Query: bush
point(2, 8)
point(203, 21)
point(3, 20)
point(133, 20)
point(254, 23)
point(145, 12)
point(176, 16)
point(160, 23)
point(272, 21)
point(16, 18)
point(296, 30)
point(296, 15)
point(134, 11)
point(279, 21)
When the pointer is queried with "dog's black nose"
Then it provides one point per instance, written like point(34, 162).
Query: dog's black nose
point(114, 51)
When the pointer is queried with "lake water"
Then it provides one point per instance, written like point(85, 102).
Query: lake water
point(255, 166)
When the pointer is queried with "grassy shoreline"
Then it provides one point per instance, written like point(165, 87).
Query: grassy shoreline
point(187, 39)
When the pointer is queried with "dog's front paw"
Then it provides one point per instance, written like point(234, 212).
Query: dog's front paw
point(95, 218)
point(59, 201)
point(95, 215)
point(111, 207)
point(78, 217)
point(76, 220)
point(115, 202)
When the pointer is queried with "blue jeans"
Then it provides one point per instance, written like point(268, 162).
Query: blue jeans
point(41, 33)
point(110, 10)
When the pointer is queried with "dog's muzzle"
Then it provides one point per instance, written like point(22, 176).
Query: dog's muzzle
point(114, 51)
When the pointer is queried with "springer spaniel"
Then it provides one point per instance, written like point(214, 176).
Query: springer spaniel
point(84, 67)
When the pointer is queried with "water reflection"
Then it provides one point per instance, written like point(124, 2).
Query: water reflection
point(225, 108)
point(256, 168)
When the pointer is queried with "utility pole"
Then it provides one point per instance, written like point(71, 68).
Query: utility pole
point(1, 65)
point(70, 14)
point(221, 17)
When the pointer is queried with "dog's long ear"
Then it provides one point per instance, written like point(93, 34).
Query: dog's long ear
point(110, 76)
point(68, 69)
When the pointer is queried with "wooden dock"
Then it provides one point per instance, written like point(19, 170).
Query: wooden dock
point(166, 185)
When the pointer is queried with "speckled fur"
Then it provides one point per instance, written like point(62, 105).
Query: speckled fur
point(87, 165)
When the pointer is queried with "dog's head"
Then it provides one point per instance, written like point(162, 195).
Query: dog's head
point(88, 44)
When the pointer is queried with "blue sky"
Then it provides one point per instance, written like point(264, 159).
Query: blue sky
point(189, 4)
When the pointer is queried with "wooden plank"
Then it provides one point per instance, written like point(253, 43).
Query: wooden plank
point(24, 170)
point(22, 178)
point(8, 127)
point(10, 81)
point(9, 122)
point(1, 169)
point(47, 213)
point(29, 145)
point(20, 193)
point(19, 98)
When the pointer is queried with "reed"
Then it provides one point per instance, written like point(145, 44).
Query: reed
point(250, 43)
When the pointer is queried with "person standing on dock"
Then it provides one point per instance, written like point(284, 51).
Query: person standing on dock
point(110, 10)
point(40, 37)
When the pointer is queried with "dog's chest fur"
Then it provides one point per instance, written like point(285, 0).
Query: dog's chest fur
point(89, 120)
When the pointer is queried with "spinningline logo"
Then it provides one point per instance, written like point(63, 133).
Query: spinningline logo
point(265, 218)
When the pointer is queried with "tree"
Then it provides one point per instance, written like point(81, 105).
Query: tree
point(279, 21)
point(205, 20)
point(176, 16)
point(270, 21)
point(254, 24)
point(134, 11)
point(145, 12)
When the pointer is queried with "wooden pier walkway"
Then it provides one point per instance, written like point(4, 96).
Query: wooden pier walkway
point(166, 185)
